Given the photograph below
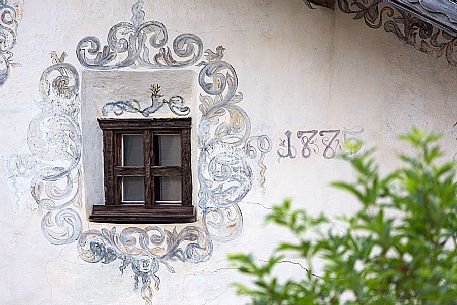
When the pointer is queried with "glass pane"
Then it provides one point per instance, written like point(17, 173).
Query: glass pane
point(168, 189)
point(132, 188)
point(133, 150)
point(167, 148)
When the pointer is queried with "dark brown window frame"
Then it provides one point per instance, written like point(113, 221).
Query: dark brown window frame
point(148, 212)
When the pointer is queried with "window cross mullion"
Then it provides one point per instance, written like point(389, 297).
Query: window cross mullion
point(162, 161)
point(148, 160)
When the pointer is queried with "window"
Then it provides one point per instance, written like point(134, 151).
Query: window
point(147, 171)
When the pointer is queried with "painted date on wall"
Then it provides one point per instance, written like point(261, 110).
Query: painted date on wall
point(325, 143)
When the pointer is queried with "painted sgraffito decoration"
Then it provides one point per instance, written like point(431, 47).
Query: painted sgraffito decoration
point(8, 33)
point(144, 249)
point(406, 26)
point(327, 143)
point(175, 104)
point(225, 146)
point(54, 141)
point(139, 44)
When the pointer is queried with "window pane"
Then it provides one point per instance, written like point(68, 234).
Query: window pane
point(168, 189)
point(167, 148)
point(132, 188)
point(133, 150)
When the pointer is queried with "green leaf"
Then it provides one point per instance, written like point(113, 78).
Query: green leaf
point(398, 247)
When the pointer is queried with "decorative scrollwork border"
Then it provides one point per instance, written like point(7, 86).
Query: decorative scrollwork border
point(8, 35)
point(443, 13)
point(225, 147)
point(54, 142)
point(134, 44)
point(406, 26)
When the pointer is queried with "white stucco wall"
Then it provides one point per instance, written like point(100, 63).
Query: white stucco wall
point(298, 69)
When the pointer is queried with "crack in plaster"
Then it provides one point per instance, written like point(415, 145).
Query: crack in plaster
point(46, 273)
point(257, 203)
point(293, 263)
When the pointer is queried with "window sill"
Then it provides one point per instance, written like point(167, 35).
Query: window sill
point(142, 214)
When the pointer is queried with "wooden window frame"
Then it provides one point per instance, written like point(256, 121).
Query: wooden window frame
point(148, 212)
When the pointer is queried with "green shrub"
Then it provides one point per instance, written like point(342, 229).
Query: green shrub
point(399, 247)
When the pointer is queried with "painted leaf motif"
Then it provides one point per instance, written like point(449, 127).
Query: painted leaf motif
point(434, 39)
point(160, 56)
point(449, 54)
point(171, 237)
point(344, 6)
point(234, 124)
point(190, 236)
point(217, 101)
point(105, 56)
point(145, 55)
point(391, 26)
point(169, 268)
point(424, 47)
point(218, 113)
point(205, 103)
point(169, 57)
point(156, 250)
point(208, 104)
point(237, 98)
point(361, 13)
point(448, 36)
point(372, 14)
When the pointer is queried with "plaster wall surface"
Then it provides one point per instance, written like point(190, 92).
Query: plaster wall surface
point(298, 69)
